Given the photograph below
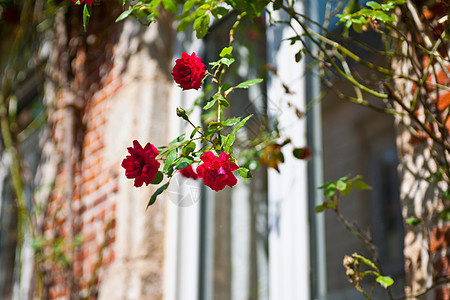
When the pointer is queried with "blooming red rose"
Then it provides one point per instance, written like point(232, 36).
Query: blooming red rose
point(88, 2)
point(189, 71)
point(141, 163)
point(217, 171)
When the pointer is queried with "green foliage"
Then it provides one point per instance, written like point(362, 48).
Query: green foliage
point(144, 12)
point(211, 136)
point(248, 83)
point(385, 281)
point(87, 11)
point(244, 172)
point(188, 148)
point(376, 11)
point(156, 193)
point(344, 186)
point(253, 8)
point(413, 221)
point(158, 178)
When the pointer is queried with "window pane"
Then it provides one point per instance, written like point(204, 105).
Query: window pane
point(234, 238)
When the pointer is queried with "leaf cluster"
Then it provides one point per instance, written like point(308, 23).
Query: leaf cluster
point(375, 11)
point(343, 186)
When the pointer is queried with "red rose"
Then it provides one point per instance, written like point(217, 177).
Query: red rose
point(88, 2)
point(141, 163)
point(217, 171)
point(189, 71)
point(188, 172)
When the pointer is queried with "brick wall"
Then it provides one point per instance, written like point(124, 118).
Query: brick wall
point(116, 76)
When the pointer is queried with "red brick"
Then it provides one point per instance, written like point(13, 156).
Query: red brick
point(443, 101)
point(441, 268)
point(443, 293)
point(440, 238)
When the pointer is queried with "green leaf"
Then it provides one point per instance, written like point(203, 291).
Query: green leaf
point(219, 12)
point(209, 104)
point(215, 125)
point(196, 129)
point(330, 205)
point(384, 17)
point(227, 60)
point(294, 39)
point(201, 26)
point(157, 193)
point(170, 159)
point(170, 5)
point(248, 83)
point(347, 190)
point(229, 141)
point(357, 27)
point(189, 5)
point(329, 189)
point(226, 52)
point(320, 208)
point(276, 5)
point(86, 15)
point(184, 24)
point(373, 4)
point(224, 102)
point(241, 124)
point(183, 162)
point(445, 214)
point(361, 185)
point(413, 221)
point(385, 281)
point(188, 148)
point(244, 172)
point(298, 56)
point(231, 122)
point(158, 178)
point(225, 87)
point(124, 15)
point(177, 139)
point(387, 6)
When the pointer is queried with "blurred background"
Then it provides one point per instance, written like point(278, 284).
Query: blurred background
point(74, 100)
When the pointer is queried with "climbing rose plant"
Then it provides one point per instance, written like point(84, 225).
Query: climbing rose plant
point(207, 147)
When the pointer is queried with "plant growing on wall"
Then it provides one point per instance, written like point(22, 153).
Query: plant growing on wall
point(413, 87)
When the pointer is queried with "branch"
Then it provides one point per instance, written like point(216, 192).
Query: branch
point(426, 290)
